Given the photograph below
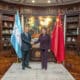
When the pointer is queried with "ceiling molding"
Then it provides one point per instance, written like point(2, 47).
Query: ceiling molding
point(43, 3)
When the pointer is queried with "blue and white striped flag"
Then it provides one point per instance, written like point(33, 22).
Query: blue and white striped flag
point(16, 36)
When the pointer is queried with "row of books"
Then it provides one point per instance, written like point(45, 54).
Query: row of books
point(6, 45)
point(7, 32)
point(72, 26)
point(7, 18)
point(73, 19)
point(6, 39)
point(72, 33)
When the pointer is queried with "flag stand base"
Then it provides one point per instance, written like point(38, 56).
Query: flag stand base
point(18, 60)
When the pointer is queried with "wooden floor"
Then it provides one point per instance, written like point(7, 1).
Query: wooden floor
point(6, 61)
point(72, 63)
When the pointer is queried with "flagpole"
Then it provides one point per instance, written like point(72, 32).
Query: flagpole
point(64, 28)
point(22, 21)
point(64, 32)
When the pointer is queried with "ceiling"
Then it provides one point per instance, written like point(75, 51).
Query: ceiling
point(42, 2)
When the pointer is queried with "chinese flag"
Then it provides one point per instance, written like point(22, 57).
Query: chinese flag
point(57, 40)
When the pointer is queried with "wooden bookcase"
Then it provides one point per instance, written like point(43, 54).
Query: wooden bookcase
point(6, 27)
point(72, 30)
point(0, 33)
point(7, 23)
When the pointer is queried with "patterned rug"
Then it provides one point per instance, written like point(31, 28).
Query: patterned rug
point(54, 72)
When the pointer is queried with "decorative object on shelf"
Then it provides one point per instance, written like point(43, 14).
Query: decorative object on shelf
point(10, 25)
point(73, 39)
point(68, 39)
point(5, 24)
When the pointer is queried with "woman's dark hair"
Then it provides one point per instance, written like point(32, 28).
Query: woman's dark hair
point(44, 28)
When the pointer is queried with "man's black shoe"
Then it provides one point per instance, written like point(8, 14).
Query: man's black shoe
point(23, 68)
point(28, 67)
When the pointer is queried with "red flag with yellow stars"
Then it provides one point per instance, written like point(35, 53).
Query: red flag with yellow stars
point(57, 40)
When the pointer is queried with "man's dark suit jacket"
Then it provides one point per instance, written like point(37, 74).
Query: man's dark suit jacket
point(26, 45)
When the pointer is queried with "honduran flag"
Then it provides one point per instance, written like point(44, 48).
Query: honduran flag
point(16, 36)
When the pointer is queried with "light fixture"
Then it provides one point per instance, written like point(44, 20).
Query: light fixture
point(49, 1)
point(33, 1)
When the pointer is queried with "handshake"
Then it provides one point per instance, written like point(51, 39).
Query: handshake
point(32, 43)
point(37, 46)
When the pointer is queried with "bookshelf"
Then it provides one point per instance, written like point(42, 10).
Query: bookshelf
point(6, 27)
point(0, 33)
point(72, 31)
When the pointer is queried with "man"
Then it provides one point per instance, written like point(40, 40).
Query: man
point(26, 46)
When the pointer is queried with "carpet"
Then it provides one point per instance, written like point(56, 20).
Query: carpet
point(54, 72)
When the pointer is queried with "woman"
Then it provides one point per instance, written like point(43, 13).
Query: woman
point(44, 40)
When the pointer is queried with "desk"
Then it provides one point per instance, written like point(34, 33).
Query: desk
point(36, 55)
